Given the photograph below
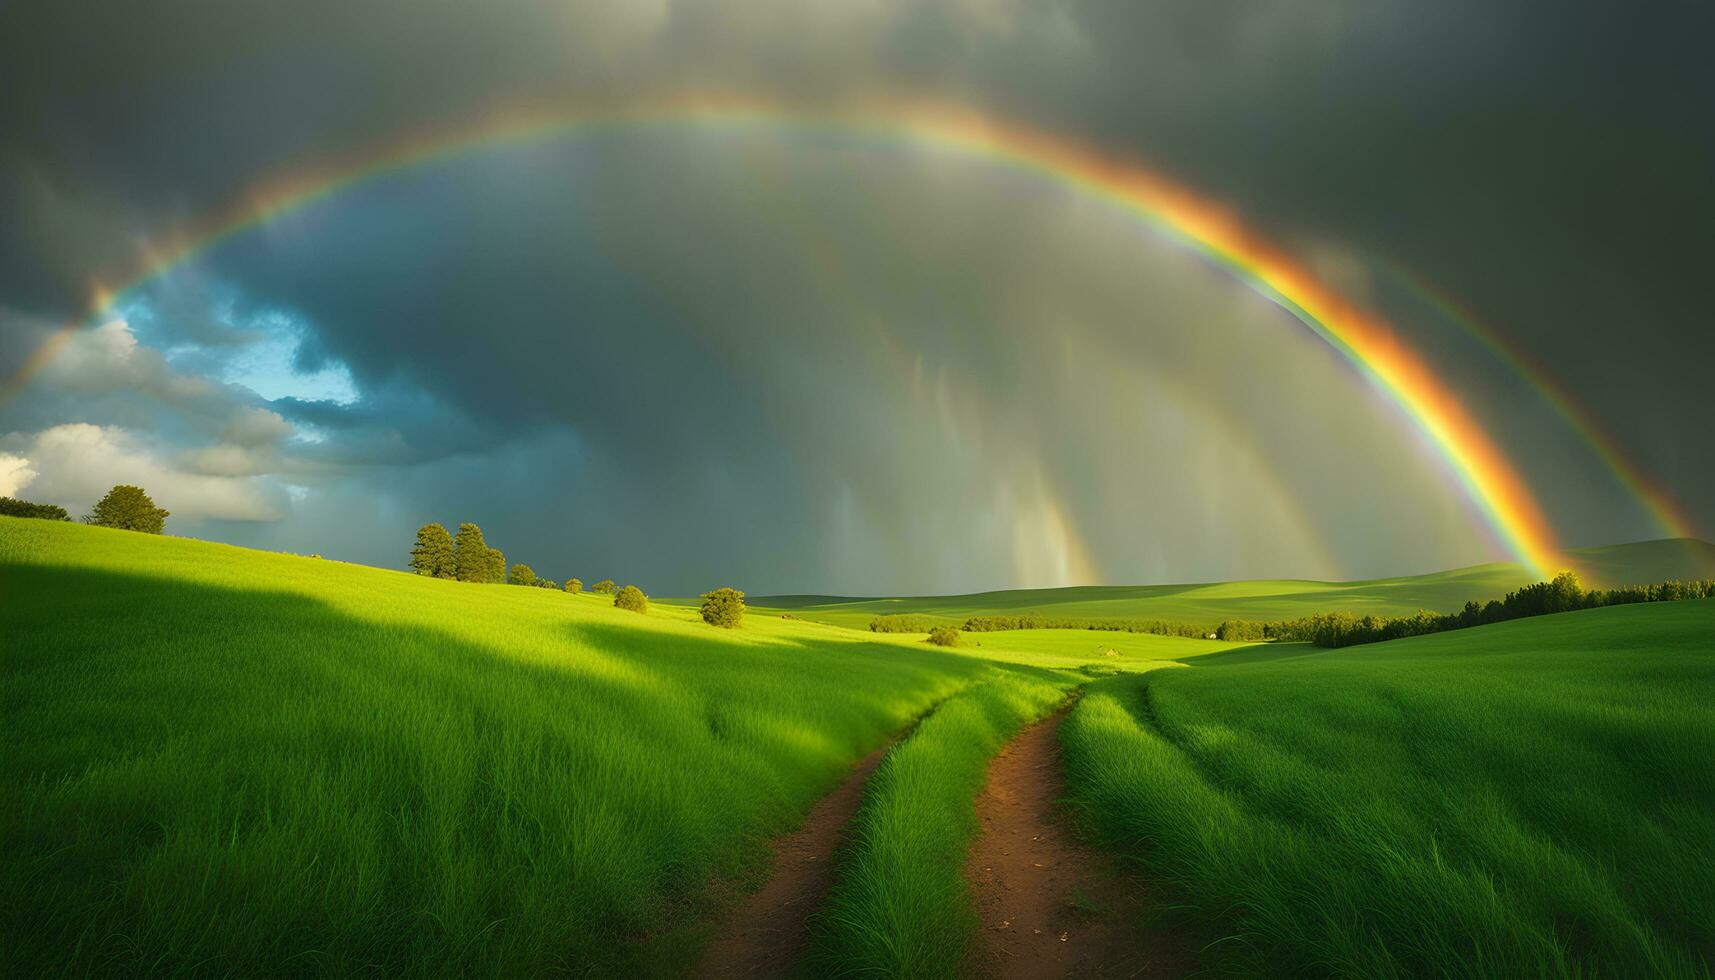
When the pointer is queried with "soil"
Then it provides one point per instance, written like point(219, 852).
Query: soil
point(768, 934)
point(1050, 906)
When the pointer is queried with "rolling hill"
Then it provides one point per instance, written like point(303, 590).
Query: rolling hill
point(1266, 599)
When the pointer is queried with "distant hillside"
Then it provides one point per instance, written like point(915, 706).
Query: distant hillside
point(1612, 565)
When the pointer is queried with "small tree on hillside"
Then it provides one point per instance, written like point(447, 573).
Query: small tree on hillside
point(605, 587)
point(631, 597)
point(13, 507)
point(522, 574)
point(470, 554)
point(434, 555)
point(944, 636)
point(724, 608)
point(496, 567)
point(574, 586)
point(128, 508)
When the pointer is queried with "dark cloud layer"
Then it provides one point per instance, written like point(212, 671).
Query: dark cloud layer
point(805, 362)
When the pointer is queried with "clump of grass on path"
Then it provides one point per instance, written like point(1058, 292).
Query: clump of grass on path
point(900, 906)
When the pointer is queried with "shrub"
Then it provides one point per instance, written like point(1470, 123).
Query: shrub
point(902, 623)
point(522, 574)
point(631, 597)
point(605, 587)
point(944, 636)
point(724, 607)
point(12, 507)
point(574, 586)
point(434, 555)
point(128, 508)
point(547, 583)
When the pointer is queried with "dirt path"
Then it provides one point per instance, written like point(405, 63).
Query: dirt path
point(767, 935)
point(1051, 907)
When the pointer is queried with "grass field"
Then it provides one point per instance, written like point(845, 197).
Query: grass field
point(221, 761)
point(1267, 599)
point(1534, 798)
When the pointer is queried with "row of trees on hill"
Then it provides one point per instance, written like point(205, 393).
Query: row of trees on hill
point(125, 507)
point(1562, 594)
point(467, 557)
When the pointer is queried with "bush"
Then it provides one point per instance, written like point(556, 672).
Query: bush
point(631, 597)
point(522, 574)
point(12, 507)
point(605, 587)
point(574, 586)
point(944, 636)
point(724, 607)
point(547, 583)
point(128, 508)
point(904, 624)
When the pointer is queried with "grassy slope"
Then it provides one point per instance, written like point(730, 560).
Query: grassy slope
point(221, 761)
point(1650, 561)
point(1534, 798)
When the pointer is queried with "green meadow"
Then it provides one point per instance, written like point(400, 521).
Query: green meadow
point(1533, 798)
point(229, 762)
point(1270, 599)
point(223, 761)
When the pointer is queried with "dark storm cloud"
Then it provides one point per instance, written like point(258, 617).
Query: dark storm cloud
point(1548, 164)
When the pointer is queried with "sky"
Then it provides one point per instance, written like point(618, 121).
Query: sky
point(792, 355)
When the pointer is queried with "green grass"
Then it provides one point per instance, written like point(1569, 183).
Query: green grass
point(1534, 798)
point(900, 906)
point(221, 761)
point(1072, 649)
point(1267, 599)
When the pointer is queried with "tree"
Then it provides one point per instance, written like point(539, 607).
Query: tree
point(470, 554)
point(631, 597)
point(496, 567)
point(574, 586)
point(724, 608)
point(13, 507)
point(944, 636)
point(1564, 594)
point(434, 555)
point(128, 508)
point(547, 583)
point(522, 574)
point(605, 587)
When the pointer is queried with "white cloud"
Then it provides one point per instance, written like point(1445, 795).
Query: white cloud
point(108, 358)
point(15, 474)
point(75, 463)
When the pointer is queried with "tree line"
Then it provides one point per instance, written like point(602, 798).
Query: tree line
point(467, 557)
point(125, 507)
point(1563, 593)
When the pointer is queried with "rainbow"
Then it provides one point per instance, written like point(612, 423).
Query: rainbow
point(1475, 462)
point(1667, 513)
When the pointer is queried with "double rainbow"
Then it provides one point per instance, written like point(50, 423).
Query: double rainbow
point(1474, 460)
